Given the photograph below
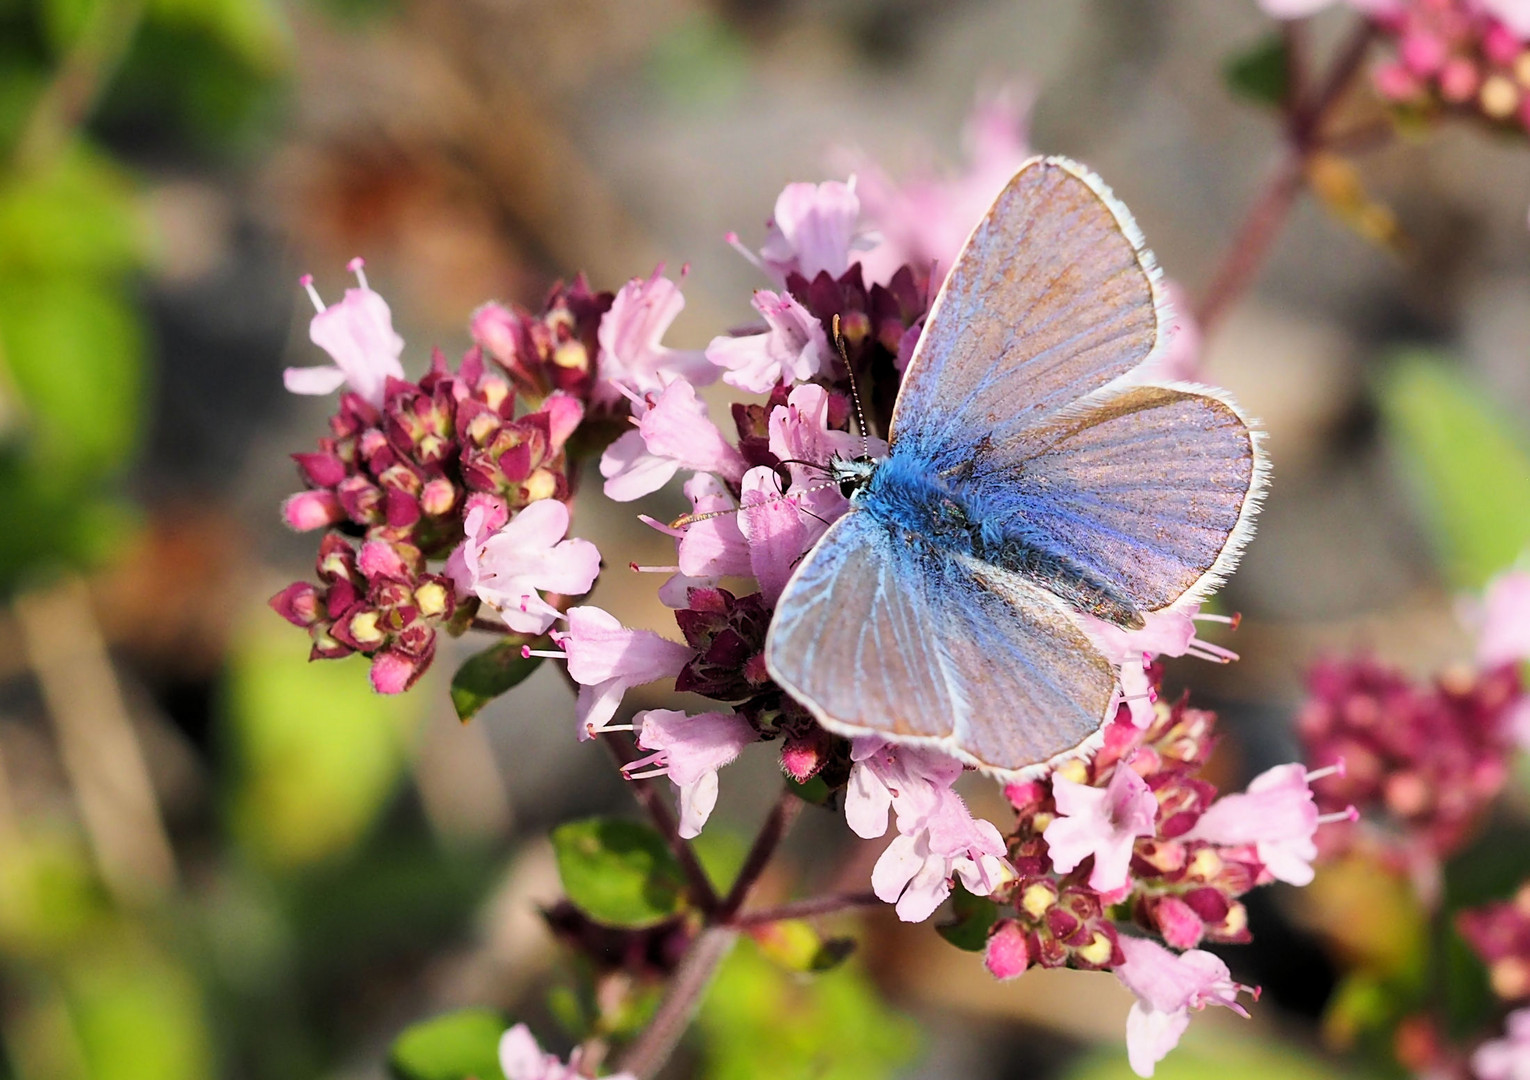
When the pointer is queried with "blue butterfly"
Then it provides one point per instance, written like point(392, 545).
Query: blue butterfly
point(1031, 477)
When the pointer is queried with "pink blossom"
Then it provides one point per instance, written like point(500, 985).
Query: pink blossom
point(632, 362)
point(1007, 955)
point(520, 1058)
point(506, 566)
point(1164, 633)
point(938, 837)
point(1503, 635)
point(1507, 1058)
point(814, 230)
point(799, 431)
point(674, 432)
point(776, 529)
point(690, 750)
point(1514, 14)
point(1102, 822)
point(712, 547)
point(606, 659)
point(1167, 987)
point(358, 335)
point(793, 348)
point(925, 220)
point(1277, 815)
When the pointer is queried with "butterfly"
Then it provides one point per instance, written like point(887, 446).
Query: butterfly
point(1033, 475)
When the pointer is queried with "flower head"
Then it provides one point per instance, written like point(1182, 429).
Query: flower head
point(814, 230)
point(633, 360)
point(606, 659)
point(690, 750)
point(1100, 822)
point(673, 432)
point(1277, 815)
point(1507, 1058)
point(359, 337)
point(1167, 987)
point(520, 1058)
point(793, 347)
point(506, 564)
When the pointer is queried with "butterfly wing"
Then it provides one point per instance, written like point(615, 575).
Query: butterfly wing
point(1151, 489)
point(1052, 297)
point(880, 634)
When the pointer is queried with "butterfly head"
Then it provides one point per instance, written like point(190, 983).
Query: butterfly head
point(853, 475)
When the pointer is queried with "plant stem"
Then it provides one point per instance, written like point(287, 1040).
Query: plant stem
point(1305, 116)
point(652, 800)
point(805, 909)
point(645, 1057)
point(787, 807)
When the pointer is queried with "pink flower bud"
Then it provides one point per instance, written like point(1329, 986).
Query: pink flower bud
point(308, 510)
point(298, 603)
point(1008, 954)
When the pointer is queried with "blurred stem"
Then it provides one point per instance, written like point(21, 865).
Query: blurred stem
point(782, 815)
point(805, 909)
point(97, 743)
point(78, 81)
point(1306, 114)
point(646, 1056)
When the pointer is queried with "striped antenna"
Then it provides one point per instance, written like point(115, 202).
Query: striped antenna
point(690, 519)
point(855, 391)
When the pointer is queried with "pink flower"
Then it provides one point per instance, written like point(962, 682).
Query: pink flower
point(793, 348)
point(1277, 815)
point(1007, 955)
point(690, 750)
point(1102, 822)
point(632, 362)
point(674, 432)
point(309, 510)
point(520, 1058)
point(1507, 1058)
point(1165, 633)
point(358, 335)
point(1514, 14)
point(814, 230)
point(776, 529)
point(1167, 987)
point(924, 221)
point(1503, 636)
point(606, 659)
point(938, 837)
point(506, 564)
point(714, 546)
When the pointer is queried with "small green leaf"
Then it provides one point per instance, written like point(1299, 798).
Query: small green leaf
point(618, 872)
point(1470, 467)
point(973, 917)
point(485, 676)
point(1260, 73)
point(815, 791)
point(457, 1046)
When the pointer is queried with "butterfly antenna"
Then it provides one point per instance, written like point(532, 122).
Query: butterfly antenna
point(690, 519)
point(855, 392)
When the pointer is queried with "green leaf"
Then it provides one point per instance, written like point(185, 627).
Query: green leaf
point(1260, 73)
point(486, 675)
point(138, 1015)
point(618, 872)
point(760, 1020)
point(79, 215)
point(457, 1046)
point(973, 917)
point(1468, 464)
point(318, 752)
point(815, 791)
point(73, 350)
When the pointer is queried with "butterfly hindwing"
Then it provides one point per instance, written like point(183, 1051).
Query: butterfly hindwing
point(1051, 298)
point(880, 634)
point(1149, 489)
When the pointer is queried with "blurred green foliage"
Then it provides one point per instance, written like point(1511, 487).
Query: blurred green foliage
point(1469, 465)
point(457, 1046)
point(317, 752)
point(761, 1019)
point(1207, 1054)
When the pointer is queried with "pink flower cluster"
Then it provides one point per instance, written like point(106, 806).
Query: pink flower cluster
point(1499, 933)
point(1463, 56)
point(1424, 760)
point(446, 471)
point(1132, 843)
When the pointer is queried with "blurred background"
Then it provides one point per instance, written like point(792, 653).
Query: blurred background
point(217, 860)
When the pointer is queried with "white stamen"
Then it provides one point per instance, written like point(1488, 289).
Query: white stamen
point(1336, 769)
point(754, 260)
point(313, 294)
point(355, 267)
point(527, 652)
point(653, 569)
point(1349, 813)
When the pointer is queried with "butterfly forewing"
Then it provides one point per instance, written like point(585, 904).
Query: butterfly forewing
point(880, 634)
point(1051, 298)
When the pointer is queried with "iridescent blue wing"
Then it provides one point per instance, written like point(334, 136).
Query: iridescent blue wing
point(879, 634)
point(1152, 489)
point(1052, 297)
